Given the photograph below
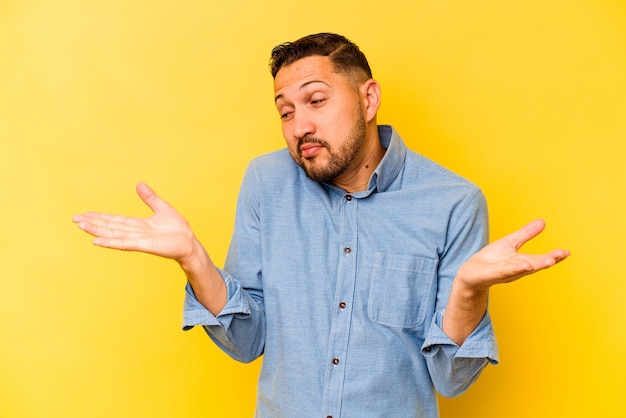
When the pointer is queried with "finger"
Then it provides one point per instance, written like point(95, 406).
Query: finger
point(544, 261)
point(87, 216)
point(140, 243)
point(529, 231)
point(97, 216)
point(533, 263)
point(125, 244)
point(112, 221)
point(150, 198)
point(105, 218)
point(101, 230)
point(110, 227)
point(513, 271)
point(559, 255)
point(105, 228)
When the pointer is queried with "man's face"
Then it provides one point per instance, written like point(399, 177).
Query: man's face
point(322, 117)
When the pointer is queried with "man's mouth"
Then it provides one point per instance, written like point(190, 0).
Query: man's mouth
point(310, 150)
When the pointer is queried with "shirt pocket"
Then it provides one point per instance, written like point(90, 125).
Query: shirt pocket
point(402, 288)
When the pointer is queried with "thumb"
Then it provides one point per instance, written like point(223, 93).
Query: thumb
point(526, 233)
point(150, 198)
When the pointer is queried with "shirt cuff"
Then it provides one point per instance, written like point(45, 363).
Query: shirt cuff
point(195, 314)
point(481, 343)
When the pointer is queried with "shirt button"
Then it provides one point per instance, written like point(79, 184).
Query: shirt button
point(348, 198)
point(342, 305)
point(335, 361)
point(347, 250)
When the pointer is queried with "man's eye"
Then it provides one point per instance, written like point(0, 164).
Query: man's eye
point(286, 115)
point(317, 101)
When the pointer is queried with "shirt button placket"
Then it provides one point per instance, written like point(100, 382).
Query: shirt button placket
point(347, 250)
point(342, 318)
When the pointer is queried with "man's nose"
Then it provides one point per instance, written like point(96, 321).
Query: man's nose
point(303, 124)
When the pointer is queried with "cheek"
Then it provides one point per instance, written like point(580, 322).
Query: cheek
point(292, 144)
point(286, 132)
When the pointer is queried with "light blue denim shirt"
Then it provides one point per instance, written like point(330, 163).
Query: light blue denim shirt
point(344, 294)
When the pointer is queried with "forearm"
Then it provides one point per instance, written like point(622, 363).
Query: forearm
point(205, 279)
point(466, 308)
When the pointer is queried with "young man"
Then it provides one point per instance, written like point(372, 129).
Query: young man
point(356, 266)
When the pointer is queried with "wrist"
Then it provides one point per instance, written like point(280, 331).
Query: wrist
point(195, 260)
point(468, 284)
point(469, 293)
point(466, 307)
point(204, 278)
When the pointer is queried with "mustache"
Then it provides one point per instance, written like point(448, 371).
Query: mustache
point(312, 140)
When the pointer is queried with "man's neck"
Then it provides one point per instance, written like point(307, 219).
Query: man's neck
point(357, 177)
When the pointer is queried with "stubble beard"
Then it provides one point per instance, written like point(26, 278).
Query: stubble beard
point(338, 161)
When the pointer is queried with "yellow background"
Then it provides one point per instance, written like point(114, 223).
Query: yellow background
point(525, 98)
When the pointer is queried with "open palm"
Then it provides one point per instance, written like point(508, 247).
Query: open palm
point(166, 233)
point(500, 261)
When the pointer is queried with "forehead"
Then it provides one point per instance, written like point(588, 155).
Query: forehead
point(304, 71)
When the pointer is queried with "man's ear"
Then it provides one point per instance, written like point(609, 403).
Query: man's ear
point(370, 92)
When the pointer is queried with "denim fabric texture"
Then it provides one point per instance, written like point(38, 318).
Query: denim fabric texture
point(344, 294)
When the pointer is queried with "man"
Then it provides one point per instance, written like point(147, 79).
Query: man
point(351, 266)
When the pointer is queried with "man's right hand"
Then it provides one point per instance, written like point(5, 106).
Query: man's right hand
point(167, 234)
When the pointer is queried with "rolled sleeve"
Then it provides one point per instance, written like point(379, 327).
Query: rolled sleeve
point(454, 368)
point(239, 329)
point(195, 314)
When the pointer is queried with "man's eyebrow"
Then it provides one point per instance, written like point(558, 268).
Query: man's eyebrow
point(280, 96)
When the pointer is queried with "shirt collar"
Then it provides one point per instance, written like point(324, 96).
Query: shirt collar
point(388, 168)
point(392, 162)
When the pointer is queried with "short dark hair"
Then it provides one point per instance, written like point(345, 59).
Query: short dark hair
point(344, 54)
